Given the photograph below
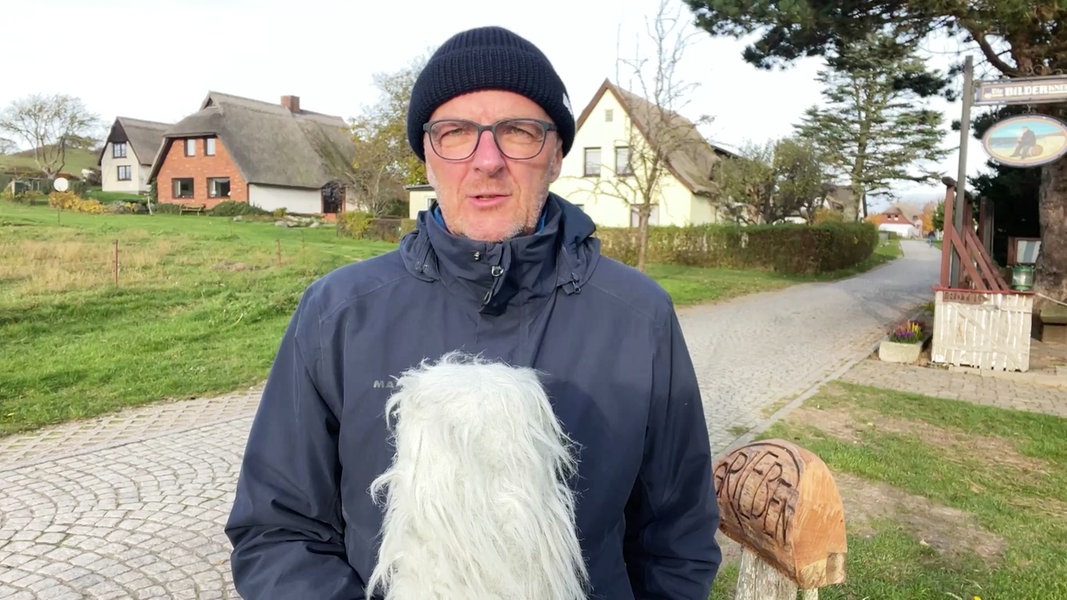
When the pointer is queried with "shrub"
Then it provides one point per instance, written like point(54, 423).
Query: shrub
point(126, 208)
point(30, 197)
point(278, 213)
point(71, 201)
point(828, 215)
point(389, 229)
point(354, 224)
point(230, 208)
point(166, 208)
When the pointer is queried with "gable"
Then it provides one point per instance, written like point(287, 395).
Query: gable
point(690, 157)
point(142, 138)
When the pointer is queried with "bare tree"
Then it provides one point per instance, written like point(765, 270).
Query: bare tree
point(383, 163)
point(657, 134)
point(49, 124)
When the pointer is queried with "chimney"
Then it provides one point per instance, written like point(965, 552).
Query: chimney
point(292, 103)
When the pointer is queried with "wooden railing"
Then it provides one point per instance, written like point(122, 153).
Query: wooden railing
point(977, 269)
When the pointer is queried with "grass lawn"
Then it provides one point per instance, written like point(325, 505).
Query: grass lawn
point(943, 499)
point(199, 308)
point(109, 197)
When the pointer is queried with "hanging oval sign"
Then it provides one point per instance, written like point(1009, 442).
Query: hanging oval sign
point(1026, 140)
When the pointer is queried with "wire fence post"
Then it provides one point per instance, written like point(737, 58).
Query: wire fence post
point(116, 263)
point(278, 243)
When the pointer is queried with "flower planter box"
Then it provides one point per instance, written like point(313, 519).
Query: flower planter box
point(900, 352)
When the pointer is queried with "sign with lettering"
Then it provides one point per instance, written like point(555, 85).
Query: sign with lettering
point(965, 297)
point(779, 501)
point(1026, 140)
point(1022, 90)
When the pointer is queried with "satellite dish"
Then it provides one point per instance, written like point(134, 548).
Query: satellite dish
point(61, 184)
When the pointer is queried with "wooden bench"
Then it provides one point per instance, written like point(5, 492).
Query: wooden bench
point(1053, 319)
point(192, 208)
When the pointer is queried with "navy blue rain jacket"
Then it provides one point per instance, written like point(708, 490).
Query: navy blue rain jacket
point(615, 367)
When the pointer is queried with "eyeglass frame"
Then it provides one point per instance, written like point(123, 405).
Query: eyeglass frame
point(479, 129)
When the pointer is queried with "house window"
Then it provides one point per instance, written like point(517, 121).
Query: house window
point(622, 161)
point(125, 172)
point(609, 114)
point(209, 146)
point(592, 162)
point(183, 187)
point(190, 147)
point(218, 187)
point(118, 150)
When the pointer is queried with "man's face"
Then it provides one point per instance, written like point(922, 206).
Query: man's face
point(491, 197)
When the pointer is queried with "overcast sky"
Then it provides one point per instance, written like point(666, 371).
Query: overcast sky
point(157, 59)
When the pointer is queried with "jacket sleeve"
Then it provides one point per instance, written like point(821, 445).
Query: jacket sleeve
point(672, 513)
point(286, 526)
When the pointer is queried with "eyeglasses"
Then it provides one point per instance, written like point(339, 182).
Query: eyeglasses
point(517, 139)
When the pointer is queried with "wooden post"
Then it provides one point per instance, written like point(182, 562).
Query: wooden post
point(958, 222)
point(947, 229)
point(278, 243)
point(116, 263)
point(780, 503)
point(758, 580)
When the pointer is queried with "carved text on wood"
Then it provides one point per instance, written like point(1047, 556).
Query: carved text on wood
point(779, 500)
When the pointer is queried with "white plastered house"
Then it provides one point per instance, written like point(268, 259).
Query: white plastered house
point(607, 162)
point(594, 172)
point(126, 159)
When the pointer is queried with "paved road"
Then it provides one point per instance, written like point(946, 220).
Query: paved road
point(132, 505)
point(756, 353)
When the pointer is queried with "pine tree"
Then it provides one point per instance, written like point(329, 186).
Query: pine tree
point(873, 130)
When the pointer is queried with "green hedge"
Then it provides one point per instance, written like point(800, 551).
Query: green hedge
point(783, 248)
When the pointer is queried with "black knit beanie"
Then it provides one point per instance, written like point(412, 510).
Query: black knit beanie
point(488, 58)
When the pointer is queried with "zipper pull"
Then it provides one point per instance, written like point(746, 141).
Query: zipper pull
point(496, 271)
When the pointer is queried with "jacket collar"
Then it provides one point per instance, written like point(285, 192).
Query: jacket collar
point(560, 254)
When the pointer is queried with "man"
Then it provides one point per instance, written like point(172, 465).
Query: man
point(502, 269)
point(1026, 144)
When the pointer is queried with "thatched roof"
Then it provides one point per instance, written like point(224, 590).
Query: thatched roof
point(690, 157)
point(143, 137)
point(269, 143)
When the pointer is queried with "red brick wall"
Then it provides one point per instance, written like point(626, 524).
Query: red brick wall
point(200, 167)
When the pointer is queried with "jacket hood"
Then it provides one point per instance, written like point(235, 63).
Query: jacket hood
point(562, 253)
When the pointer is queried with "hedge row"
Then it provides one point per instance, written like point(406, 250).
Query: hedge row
point(783, 248)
